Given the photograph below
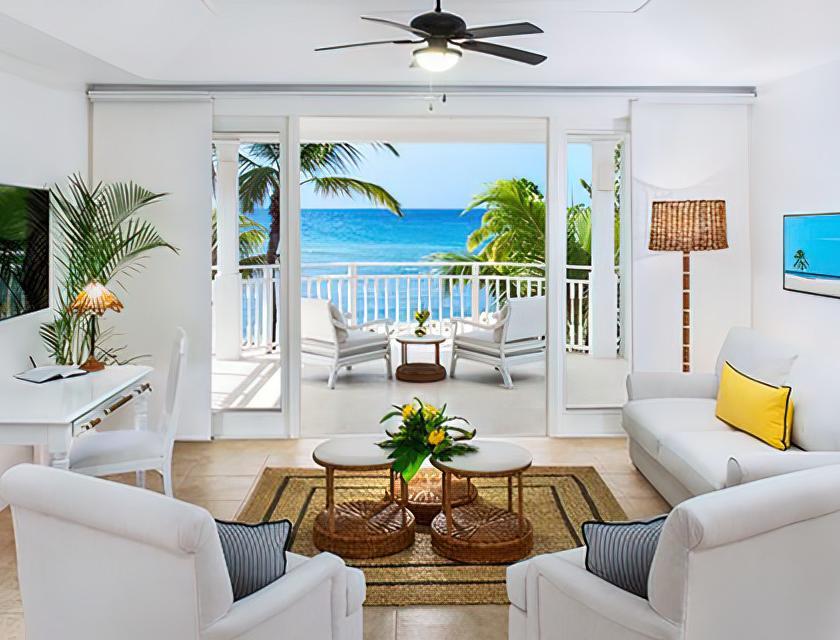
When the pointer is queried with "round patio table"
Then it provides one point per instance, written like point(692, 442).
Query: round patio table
point(420, 371)
point(361, 528)
point(481, 532)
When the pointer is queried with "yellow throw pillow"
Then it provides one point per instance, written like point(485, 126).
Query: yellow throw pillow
point(760, 409)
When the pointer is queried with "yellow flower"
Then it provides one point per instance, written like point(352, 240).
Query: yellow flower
point(436, 437)
point(429, 412)
point(408, 411)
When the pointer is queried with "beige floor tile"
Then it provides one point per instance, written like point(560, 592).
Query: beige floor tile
point(11, 627)
point(219, 509)
point(215, 487)
point(477, 622)
point(380, 623)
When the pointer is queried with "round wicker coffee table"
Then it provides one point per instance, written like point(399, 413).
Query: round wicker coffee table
point(481, 532)
point(419, 371)
point(425, 496)
point(361, 528)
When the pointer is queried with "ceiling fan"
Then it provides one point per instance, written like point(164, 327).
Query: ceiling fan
point(446, 35)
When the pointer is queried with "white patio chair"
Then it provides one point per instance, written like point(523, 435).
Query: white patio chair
point(328, 339)
point(516, 337)
point(100, 560)
point(104, 453)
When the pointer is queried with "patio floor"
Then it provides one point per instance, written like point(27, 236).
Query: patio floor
point(364, 394)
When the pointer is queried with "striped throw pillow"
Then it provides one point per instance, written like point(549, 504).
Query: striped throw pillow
point(255, 554)
point(622, 552)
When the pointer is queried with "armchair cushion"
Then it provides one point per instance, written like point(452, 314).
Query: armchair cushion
point(622, 552)
point(255, 554)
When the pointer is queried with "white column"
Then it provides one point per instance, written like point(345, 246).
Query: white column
point(227, 285)
point(603, 284)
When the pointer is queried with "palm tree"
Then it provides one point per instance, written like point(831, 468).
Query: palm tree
point(800, 262)
point(259, 180)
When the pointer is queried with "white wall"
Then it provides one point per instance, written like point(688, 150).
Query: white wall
point(43, 139)
point(685, 152)
point(166, 147)
point(795, 141)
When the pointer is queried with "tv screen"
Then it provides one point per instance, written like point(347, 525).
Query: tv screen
point(812, 253)
point(24, 250)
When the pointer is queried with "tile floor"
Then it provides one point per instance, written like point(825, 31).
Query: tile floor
point(219, 475)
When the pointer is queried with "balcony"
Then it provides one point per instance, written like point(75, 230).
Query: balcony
point(367, 291)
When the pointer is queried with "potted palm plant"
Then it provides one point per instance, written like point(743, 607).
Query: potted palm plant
point(98, 237)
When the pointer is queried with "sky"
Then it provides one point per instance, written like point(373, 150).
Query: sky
point(447, 176)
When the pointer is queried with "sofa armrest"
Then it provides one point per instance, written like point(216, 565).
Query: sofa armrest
point(748, 467)
point(587, 602)
point(644, 385)
point(271, 601)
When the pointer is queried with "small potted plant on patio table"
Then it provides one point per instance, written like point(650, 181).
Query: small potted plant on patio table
point(425, 432)
point(421, 316)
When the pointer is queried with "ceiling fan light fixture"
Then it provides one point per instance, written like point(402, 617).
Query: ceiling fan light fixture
point(436, 58)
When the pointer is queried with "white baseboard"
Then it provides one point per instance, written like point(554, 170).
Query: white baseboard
point(248, 424)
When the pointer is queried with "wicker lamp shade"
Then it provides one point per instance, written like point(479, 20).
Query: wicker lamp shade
point(688, 225)
point(95, 298)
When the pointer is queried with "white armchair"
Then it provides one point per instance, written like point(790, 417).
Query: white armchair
point(327, 338)
point(754, 561)
point(516, 337)
point(99, 560)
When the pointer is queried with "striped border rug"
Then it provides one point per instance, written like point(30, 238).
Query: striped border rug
point(557, 501)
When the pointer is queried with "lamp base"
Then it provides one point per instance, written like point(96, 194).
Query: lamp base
point(92, 364)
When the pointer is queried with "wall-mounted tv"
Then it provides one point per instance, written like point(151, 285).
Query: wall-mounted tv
point(812, 253)
point(24, 250)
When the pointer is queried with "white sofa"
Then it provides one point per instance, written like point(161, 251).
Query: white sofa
point(684, 450)
point(753, 562)
point(98, 560)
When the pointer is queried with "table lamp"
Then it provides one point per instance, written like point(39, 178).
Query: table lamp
point(686, 226)
point(94, 300)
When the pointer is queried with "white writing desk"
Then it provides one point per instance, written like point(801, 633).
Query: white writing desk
point(50, 414)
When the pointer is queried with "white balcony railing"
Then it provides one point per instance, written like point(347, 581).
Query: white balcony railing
point(395, 290)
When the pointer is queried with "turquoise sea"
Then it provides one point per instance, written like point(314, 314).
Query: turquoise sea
point(376, 235)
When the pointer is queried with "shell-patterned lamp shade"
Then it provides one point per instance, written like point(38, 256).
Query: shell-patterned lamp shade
point(95, 298)
point(688, 225)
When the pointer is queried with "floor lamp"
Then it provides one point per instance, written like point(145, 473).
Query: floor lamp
point(686, 226)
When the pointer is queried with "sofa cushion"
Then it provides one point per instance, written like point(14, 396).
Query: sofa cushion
point(515, 579)
point(756, 355)
point(816, 419)
point(699, 460)
point(649, 421)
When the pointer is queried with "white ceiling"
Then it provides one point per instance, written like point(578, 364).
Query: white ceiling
point(589, 42)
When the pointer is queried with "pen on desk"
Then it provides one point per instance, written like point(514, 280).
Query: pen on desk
point(32, 360)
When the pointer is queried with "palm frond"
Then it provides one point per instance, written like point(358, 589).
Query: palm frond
point(350, 187)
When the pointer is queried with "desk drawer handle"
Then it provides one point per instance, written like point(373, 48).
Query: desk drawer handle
point(119, 403)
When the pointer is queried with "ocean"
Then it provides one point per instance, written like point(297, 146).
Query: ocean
point(377, 235)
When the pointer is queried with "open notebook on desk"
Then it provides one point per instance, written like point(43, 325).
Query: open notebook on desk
point(50, 372)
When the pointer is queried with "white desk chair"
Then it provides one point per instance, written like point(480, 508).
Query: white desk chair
point(326, 338)
point(517, 337)
point(105, 453)
point(101, 560)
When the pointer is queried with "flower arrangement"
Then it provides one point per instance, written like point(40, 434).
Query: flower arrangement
point(421, 316)
point(425, 432)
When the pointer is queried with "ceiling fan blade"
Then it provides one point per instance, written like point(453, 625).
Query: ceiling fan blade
point(404, 27)
point(498, 50)
point(367, 44)
point(500, 30)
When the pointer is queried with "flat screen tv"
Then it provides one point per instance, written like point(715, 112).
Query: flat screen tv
point(812, 253)
point(24, 250)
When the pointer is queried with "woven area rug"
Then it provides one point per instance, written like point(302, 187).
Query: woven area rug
point(557, 501)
